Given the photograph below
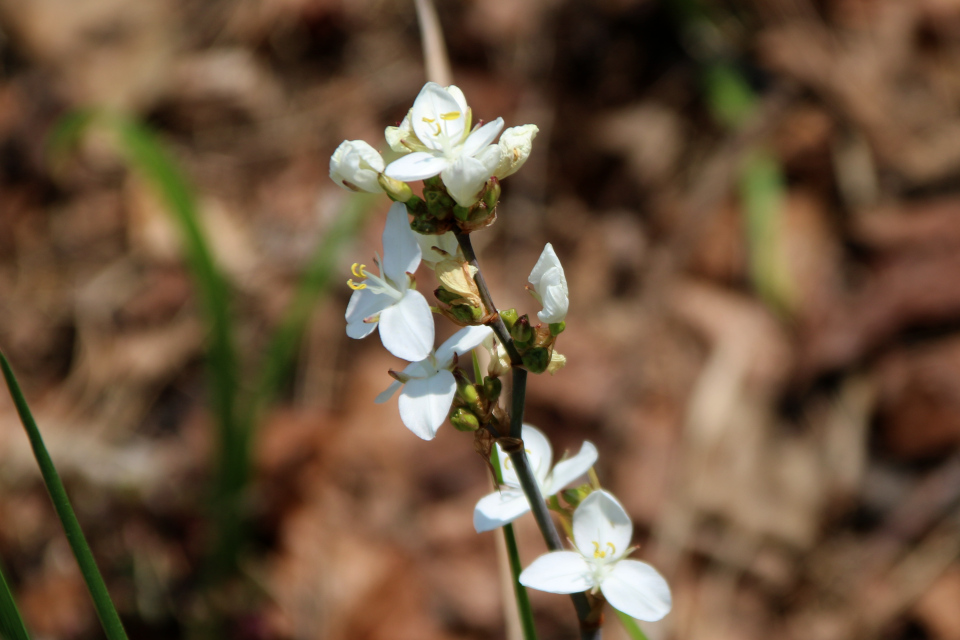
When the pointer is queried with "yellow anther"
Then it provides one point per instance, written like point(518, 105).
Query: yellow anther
point(357, 270)
point(597, 553)
point(356, 287)
point(428, 119)
point(613, 549)
point(453, 115)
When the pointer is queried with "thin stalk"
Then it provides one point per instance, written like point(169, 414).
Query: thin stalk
point(109, 618)
point(11, 623)
point(499, 328)
point(589, 620)
point(434, 50)
point(524, 610)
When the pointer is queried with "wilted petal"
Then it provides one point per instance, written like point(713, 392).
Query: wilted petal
point(499, 508)
point(601, 522)
point(401, 253)
point(558, 572)
point(406, 328)
point(483, 136)
point(637, 589)
point(446, 243)
point(363, 304)
point(516, 143)
point(418, 165)
point(425, 402)
point(396, 136)
point(464, 179)
point(566, 471)
point(460, 343)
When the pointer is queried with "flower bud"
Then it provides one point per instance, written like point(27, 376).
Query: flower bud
point(492, 388)
point(521, 331)
point(462, 213)
point(463, 420)
point(468, 391)
point(491, 195)
point(516, 143)
point(536, 360)
point(575, 496)
point(509, 317)
point(355, 166)
point(397, 190)
point(556, 328)
point(425, 226)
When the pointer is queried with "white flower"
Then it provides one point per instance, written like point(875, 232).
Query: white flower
point(355, 166)
point(387, 300)
point(550, 287)
point(515, 144)
point(437, 132)
point(601, 532)
point(429, 386)
point(436, 249)
point(509, 503)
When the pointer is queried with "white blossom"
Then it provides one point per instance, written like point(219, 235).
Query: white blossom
point(550, 287)
point(429, 386)
point(437, 133)
point(355, 166)
point(437, 248)
point(509, 503)
point(387, 300)
point(602, 531)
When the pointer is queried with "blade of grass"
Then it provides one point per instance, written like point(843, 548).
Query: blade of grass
point(11, 623)
point(61, 503)
point(147, 154)
point(631, 626)
point(519, 591)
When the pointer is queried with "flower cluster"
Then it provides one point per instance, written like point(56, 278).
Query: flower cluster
point(461, 166)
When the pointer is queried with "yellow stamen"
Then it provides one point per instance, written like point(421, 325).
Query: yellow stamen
point(597, 553)
point(453, 115)
point(357, 270)
point(356, 287)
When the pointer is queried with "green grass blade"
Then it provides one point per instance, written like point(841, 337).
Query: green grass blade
point(519, 591)
point(11, 623)
point(631, 626)
point(147, 154)
point(282, 346)
point(61, 503)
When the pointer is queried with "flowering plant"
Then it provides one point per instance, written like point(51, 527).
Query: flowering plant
point(461, 166)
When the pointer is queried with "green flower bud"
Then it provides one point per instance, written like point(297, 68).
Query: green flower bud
point(461, 213)
point(397, 190)
point(424, 226)
point(491, 195)
point(575, 496)
point(509, 317)
point(463, 420)
point(492, 388)
point(468, 391)
point(446, 297)
point(416, 206)
point(521, 331)
point(557, 328)
point(536, 359)
point(464, 314)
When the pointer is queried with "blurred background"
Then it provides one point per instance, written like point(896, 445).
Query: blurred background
point(757, 204)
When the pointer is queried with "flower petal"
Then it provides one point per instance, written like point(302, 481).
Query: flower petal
point(457, 95)
point(516, 143)
point(558, 572)
point(387, 393)
point(553, 296)
point(425, 402)
point(446, 243)
point(548, 260)
point(566, 471)
point(406, 328)
point(460, 343)
point(483, 136)
point(499, 508)
point(464, 179)
point(363, 304)
point(601, 522)
point(401, 253)
point(438, 118)
point(416, 166)
point(637, 589)
point(355, 165)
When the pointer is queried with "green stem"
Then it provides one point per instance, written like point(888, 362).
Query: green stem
point(589, 624)
point(61, 503)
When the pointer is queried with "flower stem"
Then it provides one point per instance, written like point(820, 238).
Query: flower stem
point(588, 616)
point(499, 328)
